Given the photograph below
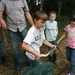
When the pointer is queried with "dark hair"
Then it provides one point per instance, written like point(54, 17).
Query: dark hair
point(52, 12)
point(40, 15)
point(73, 18)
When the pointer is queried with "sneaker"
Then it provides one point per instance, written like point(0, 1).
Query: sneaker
point(68, 74)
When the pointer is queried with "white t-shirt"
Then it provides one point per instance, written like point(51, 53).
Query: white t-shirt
point(34, 39)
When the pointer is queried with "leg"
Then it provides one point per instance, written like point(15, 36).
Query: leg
point(16, 48)
point(72, 70)
point(51, 55)
point(33, 64)
point(54, 57)
point(54, 52)
point(2, 51)
point(2, 48)
point(23, 34)
point(68, 54)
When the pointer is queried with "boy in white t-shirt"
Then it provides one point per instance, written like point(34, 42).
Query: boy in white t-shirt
point(51, 29)
point(34, 40)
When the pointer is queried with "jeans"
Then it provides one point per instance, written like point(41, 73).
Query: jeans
point(70, 54)
point(16, 45)
point(2, 48)
point(54, 43)
point(32, 63)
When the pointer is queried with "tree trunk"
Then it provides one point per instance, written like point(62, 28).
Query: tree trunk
point(59, 7)
point(41, 4)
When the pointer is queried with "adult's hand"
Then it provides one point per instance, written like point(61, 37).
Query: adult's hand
point(3, 23)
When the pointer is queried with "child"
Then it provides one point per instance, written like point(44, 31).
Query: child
point(51, 34)
point(2, 49)
point(34, 39)
point(70, 45)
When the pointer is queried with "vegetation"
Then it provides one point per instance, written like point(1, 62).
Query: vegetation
point(62, 7)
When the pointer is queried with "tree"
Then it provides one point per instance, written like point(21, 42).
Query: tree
point(41, 4)
point(59, 7)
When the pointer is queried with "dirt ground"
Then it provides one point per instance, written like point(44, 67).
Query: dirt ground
point(61, 68)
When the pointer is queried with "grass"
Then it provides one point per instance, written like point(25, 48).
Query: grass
point(61, 59)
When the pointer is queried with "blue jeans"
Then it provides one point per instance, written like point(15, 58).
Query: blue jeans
point(70, 54)
point(54, 43)
point(14, 37)
point(32, 63)
point(2, 48)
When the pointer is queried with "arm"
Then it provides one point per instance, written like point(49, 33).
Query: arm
point(62, 37)
point(29, 18)
point(2, 22)
point(57, 31)
point(49, 44)
point(25, 47)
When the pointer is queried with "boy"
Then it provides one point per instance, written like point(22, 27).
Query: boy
point(2, 49)
point(34, 39)
point(51, 33)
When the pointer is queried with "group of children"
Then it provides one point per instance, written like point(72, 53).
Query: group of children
point(35, 38)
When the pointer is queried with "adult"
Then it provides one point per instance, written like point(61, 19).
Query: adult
point(16, 25)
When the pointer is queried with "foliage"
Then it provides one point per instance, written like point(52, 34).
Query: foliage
point(62, 7)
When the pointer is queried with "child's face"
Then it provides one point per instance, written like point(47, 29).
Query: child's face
point(73, 23)
point(39, 23)
point(52, 17)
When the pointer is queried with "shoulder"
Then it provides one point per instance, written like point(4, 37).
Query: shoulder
point(47, 21)
point(32, 29)
point(69, 25)
point(55, 22)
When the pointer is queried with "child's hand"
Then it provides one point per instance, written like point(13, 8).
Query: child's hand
point(54, 47)
point(38, 55)
point(58, 42)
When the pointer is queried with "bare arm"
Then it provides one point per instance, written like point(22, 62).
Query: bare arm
point(49, 44)
point(57, 31)
point(29, 17)
point(25, 47)
point(62, 37)
point(2, 22)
